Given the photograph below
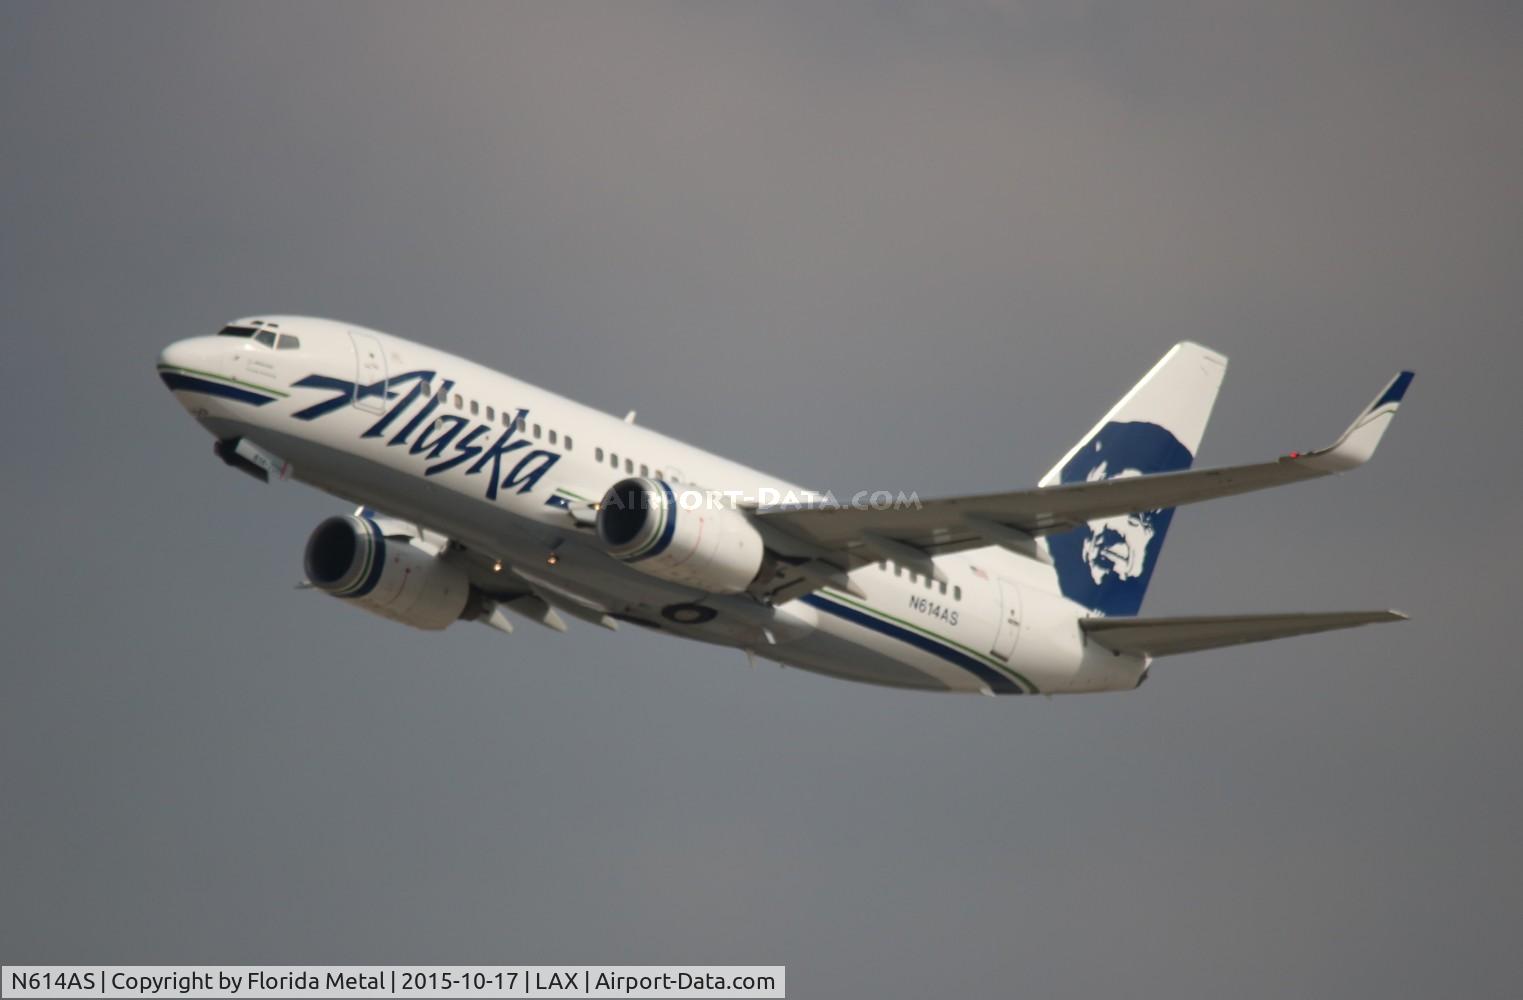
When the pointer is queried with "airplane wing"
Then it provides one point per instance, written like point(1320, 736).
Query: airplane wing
point(1166, 636)
point(847, 536)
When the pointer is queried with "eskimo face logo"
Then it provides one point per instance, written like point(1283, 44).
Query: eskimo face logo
point(1106, 564)
point(1118, 546)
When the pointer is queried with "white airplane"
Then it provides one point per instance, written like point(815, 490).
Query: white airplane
point(484, 498)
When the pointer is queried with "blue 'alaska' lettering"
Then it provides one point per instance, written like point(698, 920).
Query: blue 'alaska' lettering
point(440, 433)
point(505, 443)
point(465, 449)
point(422, 415)
point(420, 381)
point(437, 436)
point(344, 391)
point(525, 477)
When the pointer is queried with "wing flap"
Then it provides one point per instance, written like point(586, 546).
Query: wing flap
point(1167, 636)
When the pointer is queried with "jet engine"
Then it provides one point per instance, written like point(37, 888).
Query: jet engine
point(394, 577)
point(679, 536)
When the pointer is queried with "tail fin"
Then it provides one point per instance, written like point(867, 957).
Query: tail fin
point(1106, 564)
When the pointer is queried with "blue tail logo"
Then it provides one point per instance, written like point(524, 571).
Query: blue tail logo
point(1105, 565)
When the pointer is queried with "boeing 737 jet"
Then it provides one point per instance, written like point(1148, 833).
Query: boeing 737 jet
point(480, 497)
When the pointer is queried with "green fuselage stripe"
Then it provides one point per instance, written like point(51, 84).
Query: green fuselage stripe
point(223, 378)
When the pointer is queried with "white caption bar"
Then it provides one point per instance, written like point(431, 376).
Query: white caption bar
point(385, 981)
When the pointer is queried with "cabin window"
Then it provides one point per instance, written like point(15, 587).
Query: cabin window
point(660, 474)
point(956, 593)
point(629, 466)
point(551, 437)
point(613, 460)
point(568, 442)
point(523, 424)
point(599, 453)
point(507, 419)
point(897, 570)
point(644, 470)
point(459, 401)
point(491, 415)
point(426, 389)
point(443, 391)
point(536, 431)
point(475, 408)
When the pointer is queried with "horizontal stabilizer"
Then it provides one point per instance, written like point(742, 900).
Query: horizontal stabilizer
point(1166, 636)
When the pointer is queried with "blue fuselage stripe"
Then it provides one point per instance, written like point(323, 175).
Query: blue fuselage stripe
point(996, 681)
point(180, 382)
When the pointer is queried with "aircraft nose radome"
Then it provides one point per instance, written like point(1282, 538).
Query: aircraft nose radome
point(190, 365)
point(179, 354)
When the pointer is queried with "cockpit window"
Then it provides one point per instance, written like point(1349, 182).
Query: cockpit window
point(288, 343)
point(265, 337)
point(236, 331)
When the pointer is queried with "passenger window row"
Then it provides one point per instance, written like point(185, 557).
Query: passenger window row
point(541, 433)
point(629, 465)
point(920, 578)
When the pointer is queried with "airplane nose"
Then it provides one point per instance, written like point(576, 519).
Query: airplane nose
point(190, 363)
point(206, 372)
point(180, 354)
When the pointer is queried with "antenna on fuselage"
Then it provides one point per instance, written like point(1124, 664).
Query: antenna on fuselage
point(629, 417)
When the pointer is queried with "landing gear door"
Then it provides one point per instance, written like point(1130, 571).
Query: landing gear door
point(370, 373)
point(1009, 620)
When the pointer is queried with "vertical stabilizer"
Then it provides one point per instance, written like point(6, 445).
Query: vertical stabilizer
point(1157, 427)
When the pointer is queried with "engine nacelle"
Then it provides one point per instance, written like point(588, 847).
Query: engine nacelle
point(678, 535)
point(350, 557)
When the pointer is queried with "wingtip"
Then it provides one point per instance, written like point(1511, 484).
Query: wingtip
point(1357, 444)
point(1396, 391)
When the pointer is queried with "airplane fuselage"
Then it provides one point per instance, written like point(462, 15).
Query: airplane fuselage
point(499, 467)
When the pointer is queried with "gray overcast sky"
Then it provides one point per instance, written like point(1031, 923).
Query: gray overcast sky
point(892, 245)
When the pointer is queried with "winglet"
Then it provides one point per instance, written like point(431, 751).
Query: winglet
point(1358, 443)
